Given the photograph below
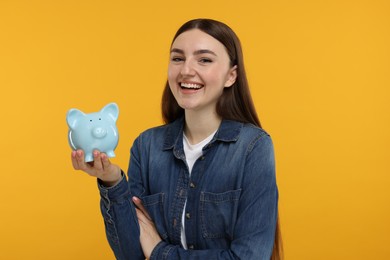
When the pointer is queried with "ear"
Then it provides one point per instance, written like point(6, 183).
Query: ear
point(72, 117)
point(111, 110)
point(231, 77)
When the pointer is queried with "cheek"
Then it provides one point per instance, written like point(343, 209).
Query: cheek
point(216, 77)
point(172, 73)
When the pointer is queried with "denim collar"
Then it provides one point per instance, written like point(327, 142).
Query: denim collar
point(228, 131)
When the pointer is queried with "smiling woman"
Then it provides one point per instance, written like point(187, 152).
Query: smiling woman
point(202, 186)
point(319, 78)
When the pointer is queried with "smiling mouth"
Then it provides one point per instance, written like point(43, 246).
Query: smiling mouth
point(190, 86)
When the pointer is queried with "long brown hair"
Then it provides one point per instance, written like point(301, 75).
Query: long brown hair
point(235, 102)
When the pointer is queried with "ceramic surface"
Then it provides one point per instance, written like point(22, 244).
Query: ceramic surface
point(94, 131)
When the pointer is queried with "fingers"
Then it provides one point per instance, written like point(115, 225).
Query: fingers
point(97, 161)
point(98, 165)
point(101, 161)
point(78, 160)
point(149, 237)
point(142, 219)
point(105, 161)
point(140, 207)
point(74, 160)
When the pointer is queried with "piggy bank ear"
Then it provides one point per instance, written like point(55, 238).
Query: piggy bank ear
point(73, 116)
point(111, 110)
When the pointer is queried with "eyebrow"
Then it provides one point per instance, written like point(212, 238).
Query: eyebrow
point(197, 52)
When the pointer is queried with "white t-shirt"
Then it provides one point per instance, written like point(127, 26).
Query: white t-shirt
point(192, 152)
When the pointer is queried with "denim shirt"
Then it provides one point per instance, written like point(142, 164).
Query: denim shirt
point(231, 195)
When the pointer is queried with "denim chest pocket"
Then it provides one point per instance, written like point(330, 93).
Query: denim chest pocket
point(155, 207)
point(218, 212)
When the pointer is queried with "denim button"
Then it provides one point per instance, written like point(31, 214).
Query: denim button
point(191, 247)
point(202, 158)
point(188, 215)
point(192, 185)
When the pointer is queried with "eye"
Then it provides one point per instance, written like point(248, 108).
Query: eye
point(177, 59)
point(205, 60)
point(100, 119)
point(90, 120)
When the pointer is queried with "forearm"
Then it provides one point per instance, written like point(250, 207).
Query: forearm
point(120, 221)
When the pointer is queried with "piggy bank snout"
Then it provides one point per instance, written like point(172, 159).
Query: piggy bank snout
point(99, 132)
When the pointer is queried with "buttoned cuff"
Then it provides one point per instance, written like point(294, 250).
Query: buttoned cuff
point(116, 192)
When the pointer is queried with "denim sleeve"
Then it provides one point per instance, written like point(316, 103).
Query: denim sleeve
point(254, 231)
point(120, 220)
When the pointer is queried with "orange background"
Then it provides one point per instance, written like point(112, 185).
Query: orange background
point(319, 73)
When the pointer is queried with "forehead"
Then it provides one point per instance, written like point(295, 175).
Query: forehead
point(195, 39)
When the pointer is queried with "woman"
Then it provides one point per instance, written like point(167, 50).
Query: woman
point(203, 185)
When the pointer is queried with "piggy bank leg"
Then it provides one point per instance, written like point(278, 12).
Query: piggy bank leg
point(88, 157)
point(110, 154)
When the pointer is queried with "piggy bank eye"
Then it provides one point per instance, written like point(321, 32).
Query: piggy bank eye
point(100, 119)
point(90, 120)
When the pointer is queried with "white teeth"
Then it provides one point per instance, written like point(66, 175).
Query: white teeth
point(190, 85)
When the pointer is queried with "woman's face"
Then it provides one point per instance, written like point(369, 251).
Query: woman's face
point(199, 70)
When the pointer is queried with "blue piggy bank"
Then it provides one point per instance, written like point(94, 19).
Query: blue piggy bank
point(94, 131)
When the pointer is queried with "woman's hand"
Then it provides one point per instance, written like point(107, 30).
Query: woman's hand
point(149, 236)
point(101, 167)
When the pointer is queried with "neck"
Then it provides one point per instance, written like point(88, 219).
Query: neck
point(199, 126)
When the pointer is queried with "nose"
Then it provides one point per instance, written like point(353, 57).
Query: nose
point(187, 69)
point(99, 132)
